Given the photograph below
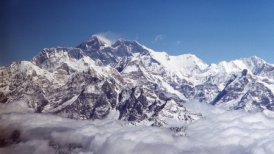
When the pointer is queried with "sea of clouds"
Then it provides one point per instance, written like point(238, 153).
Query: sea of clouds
point(218, 132)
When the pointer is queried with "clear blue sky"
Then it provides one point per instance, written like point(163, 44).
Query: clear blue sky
point(214, 30)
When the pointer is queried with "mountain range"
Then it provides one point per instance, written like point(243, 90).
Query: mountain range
point(100, 78)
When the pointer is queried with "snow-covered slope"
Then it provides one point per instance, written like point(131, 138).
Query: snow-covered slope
point(68, 82)
point(100, 77)
point(182, 65)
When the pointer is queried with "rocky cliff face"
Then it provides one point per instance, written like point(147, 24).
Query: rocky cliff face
point(143, 86)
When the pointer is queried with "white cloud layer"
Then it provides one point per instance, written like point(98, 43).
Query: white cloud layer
point(158, 38)
point(219, 132)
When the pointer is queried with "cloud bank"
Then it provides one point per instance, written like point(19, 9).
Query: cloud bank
point(218, 132)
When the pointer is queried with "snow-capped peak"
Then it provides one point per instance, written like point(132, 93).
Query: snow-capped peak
point(122, 41)
point(95, 42)
point(182, 64)
point(252, 64)
point(142, 85)
point(101, 38)
point(256, 58)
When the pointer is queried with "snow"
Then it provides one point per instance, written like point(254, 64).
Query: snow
point(48, 108)
point(92, 89)
point(131, 68)
point(172, 90)
point(231, 67)
point(219, 131)
point(182, 65)
point(269, 84)
point(103, 39)
point(172, 115)
point(194, 70)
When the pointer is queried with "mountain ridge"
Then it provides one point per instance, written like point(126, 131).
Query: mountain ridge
point(144, 86)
